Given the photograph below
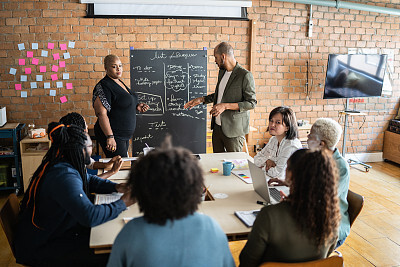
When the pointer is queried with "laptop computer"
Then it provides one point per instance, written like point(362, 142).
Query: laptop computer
point(271, 195)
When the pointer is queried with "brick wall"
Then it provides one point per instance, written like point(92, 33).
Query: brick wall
point(282, 50)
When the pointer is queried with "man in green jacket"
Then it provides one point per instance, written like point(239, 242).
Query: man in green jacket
point(233, 98)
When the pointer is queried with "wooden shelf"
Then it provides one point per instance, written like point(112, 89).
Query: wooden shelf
point(31, 159)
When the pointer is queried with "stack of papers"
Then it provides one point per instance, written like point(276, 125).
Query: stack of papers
point(107, 198)
point(240, 164)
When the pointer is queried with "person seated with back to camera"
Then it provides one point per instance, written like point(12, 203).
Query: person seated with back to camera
point(114, 164)
point(168, 185)
point(56, 214)
point(283, 128)
point(325, 134)
point(304, 226)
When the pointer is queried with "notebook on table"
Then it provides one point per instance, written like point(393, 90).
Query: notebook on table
point(247, 216)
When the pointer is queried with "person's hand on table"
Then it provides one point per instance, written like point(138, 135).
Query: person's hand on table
point(269, 164)
point(276, 182)
point(111, 144)
point(194, 102)
point(283, 196)
point(217, 109)
point(142, 107)
point(127, 196)
point(116, 164)
point(108, 165)
point(122, 188)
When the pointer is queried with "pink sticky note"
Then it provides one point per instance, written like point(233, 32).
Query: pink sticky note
point(21, 61)
point(54, 68)
point(18, 86)
point(63, 46)
point(56, 56)
point(29, 54)
point(54, 77)
point(50, 45)
point(35, 61)
point(62, 64)
point(63, 99)
point(42, 68)
point(69, 85)
point(28, 71)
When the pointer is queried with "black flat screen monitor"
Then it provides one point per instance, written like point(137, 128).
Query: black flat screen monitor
point(353, 76)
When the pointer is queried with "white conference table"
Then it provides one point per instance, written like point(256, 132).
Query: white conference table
point(240, 196)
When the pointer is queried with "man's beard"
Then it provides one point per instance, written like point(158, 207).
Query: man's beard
point(222, 65)
point(86, 158)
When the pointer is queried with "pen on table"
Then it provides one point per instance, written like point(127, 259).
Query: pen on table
point(261, 203)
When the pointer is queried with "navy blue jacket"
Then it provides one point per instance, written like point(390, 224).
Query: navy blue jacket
point(63, 212)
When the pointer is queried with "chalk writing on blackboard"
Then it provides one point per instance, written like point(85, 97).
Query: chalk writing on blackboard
point(166, 80)
point(155, 103)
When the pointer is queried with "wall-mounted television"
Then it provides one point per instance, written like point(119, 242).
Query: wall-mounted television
point(355, 75)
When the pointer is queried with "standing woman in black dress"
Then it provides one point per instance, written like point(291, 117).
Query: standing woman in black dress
point(115, 106)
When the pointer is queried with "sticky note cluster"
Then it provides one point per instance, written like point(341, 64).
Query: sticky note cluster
point(34, 55)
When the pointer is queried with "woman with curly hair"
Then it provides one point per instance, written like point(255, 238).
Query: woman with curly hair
point(304, 226)
point(168, 184)
point(325, 134)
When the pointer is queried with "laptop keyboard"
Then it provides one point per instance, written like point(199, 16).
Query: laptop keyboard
point(275, 194)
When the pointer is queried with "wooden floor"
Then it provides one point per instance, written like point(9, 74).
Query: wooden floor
point(375, 235)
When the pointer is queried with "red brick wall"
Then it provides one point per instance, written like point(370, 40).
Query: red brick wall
point(282, 49)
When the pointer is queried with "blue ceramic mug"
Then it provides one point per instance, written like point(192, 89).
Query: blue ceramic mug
point(227, 167)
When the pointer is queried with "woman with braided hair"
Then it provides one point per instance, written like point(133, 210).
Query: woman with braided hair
point(304, 226)
point(56, 213)
point(114, 165)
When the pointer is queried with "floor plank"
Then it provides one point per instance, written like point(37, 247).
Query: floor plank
point(376, 255)
point(352, 258)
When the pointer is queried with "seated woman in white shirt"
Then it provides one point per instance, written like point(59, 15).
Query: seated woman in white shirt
point(283, 143)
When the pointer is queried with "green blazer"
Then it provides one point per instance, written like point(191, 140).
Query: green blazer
point(239, 89)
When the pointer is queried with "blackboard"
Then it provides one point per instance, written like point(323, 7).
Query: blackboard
point(166, 80)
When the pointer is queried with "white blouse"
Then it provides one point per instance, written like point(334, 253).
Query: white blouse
point(279, 155)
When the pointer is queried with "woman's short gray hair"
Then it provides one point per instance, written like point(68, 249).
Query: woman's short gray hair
point(328, 130)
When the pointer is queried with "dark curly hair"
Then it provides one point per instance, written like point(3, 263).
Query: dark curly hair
point(289, 120)
point(313, 194)
point(67, 145)
point(167, 184)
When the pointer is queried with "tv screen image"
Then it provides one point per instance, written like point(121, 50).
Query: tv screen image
point(354, 75)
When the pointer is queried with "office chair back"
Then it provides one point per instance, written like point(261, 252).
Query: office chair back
point(8, 218)
point(356, 203)
point(332, 261)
